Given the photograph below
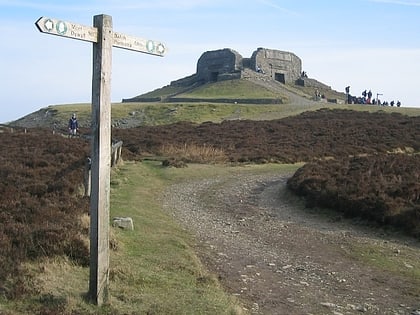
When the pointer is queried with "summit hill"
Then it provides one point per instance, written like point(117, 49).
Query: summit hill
point(226, 86)
point(271, 79)
point(272, 76)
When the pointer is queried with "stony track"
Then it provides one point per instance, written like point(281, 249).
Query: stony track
point(280, 258)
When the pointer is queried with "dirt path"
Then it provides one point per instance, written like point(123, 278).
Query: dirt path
point(280, 258)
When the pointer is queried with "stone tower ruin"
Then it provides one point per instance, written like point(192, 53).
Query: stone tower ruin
point(226, 64)
point(218, 65)
point(282, 66)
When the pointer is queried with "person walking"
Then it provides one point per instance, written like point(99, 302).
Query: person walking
point(73, 126)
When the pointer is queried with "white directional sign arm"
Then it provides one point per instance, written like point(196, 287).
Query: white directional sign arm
point(138, 44)
point(67, 29)
point(90, 34)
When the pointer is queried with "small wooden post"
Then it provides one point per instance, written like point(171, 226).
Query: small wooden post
point(101, 152)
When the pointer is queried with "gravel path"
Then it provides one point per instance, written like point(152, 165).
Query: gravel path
point(280, 258)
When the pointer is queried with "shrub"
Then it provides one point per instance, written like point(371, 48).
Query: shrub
point(383, 188)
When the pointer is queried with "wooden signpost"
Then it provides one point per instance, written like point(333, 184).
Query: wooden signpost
point(103, 38)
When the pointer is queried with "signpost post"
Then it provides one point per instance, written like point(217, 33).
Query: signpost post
point(103, 38)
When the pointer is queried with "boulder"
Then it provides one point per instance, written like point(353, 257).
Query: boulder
point(124, 223)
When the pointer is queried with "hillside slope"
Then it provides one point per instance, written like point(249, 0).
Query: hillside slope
point(264, 88)
point(254, 89)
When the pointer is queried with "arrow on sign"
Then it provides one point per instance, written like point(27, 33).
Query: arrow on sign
point(67, 29)
point(90, 34)
point(138, 44)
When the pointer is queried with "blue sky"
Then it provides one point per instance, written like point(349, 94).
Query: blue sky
point(366, 44)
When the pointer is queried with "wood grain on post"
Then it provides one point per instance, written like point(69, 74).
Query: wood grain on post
point(101, 153)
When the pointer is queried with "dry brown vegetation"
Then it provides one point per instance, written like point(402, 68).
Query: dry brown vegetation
point(40, 209)
point(193, 153)
point(306, 137)
point(382, 188)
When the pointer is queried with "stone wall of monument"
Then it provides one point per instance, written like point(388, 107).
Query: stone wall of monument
point(282, 66)
point(227, 64)
point(219, 65)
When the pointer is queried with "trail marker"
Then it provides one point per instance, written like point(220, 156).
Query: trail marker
point(103, 38)
point(90, 34)
point(67, 29)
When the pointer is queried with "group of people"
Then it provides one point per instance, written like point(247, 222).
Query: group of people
point(385, 103)
point(367, 98)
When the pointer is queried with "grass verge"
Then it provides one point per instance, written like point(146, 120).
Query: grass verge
point(153, 269)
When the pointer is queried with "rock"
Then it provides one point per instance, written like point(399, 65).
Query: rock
point(124, 223)
point(327, 304)
point(361, 309)
point(408, 265)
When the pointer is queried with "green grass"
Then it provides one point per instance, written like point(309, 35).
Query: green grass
point(239, 88)
point(64, 112)
point(231, 89)
point(165, 113)
point(162, 92)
